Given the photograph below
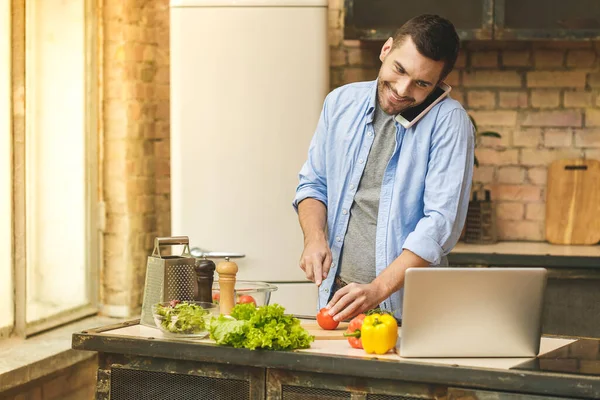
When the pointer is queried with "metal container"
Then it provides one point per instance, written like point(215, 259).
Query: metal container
point(168, 277)
point(480, 225)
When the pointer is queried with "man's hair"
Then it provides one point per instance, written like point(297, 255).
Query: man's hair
point(434, 37)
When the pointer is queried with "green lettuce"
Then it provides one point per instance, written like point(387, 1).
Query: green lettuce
point(265, 327)
point(184, 318)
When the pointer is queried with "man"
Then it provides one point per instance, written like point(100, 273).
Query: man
point(374, 198)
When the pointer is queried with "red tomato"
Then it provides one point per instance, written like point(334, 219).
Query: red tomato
point(246, 299)
point(325, 320)
point(216, 297)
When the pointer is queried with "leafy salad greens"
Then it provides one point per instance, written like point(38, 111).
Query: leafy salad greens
point(183, 317)
point(265, 327)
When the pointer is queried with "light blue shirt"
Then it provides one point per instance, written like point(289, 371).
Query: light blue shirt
point(425, 189)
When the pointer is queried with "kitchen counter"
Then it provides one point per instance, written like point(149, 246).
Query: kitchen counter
point(539, 254)
point(138, 362)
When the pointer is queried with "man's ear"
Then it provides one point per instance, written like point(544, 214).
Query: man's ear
point(387, 47)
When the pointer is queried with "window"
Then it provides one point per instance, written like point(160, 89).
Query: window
point(60, 164)
point(6, 282)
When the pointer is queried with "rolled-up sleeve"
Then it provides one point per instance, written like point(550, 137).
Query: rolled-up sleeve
point(447, 188)
point(312, 176)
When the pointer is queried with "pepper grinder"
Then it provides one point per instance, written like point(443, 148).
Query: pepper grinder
point(227, 271)
point(205, 271)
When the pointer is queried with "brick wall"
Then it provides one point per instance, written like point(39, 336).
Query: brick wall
point(135, 141)
point(77, 382)
point(543, 97)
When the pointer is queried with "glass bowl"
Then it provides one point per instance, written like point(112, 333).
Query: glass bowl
point(184, 319)
point(248, 291)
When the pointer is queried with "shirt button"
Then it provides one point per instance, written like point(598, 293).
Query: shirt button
point(332, 265)
point(360, 161)
point(352, 186)
point(326, 290)
point(338, 239)
point(344, 211)
point(369, 133)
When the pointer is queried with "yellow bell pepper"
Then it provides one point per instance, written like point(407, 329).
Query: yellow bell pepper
point(379, 333)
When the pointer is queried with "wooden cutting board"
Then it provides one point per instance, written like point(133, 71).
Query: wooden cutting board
point(573, 202)
point(321, 334)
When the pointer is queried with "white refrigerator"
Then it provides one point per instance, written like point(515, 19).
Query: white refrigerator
point(248, 80)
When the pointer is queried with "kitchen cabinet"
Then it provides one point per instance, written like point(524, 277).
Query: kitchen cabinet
point(129, 377)
point(123, 377)
point(550, 19)
point(135, 363)
point(282, 384)
point(480, 19)
point(378, 19)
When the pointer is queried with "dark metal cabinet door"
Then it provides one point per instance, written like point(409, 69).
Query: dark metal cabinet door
point(378, 19)
point(133, 378)
point(547, 19)
point(471, 394)
point(572, 302)
point(295, 385)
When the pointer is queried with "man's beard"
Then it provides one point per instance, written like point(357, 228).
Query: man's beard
point(392, 107)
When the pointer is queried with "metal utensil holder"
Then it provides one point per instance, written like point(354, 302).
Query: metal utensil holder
point(480, 226)
point(168, 277)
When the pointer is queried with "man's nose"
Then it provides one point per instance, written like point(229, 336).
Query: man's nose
point(403, 87)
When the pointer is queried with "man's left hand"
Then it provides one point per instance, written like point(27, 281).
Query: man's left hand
point(352, 300)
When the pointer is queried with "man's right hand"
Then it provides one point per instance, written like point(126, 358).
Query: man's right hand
point(316, 257)
point(316, 260)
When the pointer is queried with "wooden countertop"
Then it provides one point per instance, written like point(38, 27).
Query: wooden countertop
point(337, 347)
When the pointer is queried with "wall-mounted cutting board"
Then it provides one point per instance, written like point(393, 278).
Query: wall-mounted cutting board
point(573, 202)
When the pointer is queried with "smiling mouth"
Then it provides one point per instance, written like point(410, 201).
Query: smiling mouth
point(398, 99)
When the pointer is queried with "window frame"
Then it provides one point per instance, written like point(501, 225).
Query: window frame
point(5, 331)
point(92, 129)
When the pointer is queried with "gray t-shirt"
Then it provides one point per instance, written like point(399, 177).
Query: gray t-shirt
point(357, 260)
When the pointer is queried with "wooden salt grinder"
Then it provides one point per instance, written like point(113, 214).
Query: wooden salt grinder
point(227, 271)
point(205, 275)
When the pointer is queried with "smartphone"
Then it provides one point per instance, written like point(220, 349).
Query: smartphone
point(411, 115)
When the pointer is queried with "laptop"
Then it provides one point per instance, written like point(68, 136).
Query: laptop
point(472, 312)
